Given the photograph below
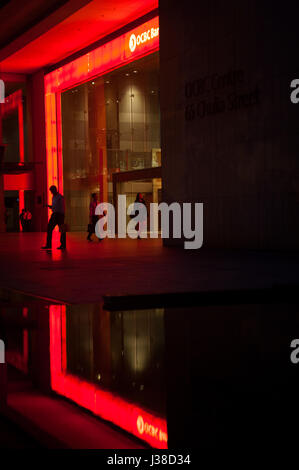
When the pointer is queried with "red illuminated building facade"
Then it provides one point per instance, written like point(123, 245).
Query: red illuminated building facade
point(177, 103)
point(82, 112)
point(86, 121)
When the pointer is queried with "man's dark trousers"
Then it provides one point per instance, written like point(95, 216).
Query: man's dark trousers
point(56, 219)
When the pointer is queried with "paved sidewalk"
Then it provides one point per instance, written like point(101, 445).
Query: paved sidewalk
point(86, 271)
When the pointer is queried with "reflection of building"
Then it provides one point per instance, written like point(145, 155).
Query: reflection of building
point(121, 351)
point(111, 363)
point(94, 358)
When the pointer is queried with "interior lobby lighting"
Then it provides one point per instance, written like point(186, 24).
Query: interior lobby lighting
point(109, 56)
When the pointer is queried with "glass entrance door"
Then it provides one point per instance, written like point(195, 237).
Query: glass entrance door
point(110, 125)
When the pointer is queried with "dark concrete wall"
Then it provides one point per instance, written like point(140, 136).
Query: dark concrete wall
point(229, 375)
point(243, 164)
point(37, 131)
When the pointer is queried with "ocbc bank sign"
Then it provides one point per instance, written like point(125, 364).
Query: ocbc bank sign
point(142, 38)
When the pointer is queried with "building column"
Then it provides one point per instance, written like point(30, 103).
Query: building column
point(36, 128)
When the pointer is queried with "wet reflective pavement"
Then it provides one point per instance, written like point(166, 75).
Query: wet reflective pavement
point(88, 271)
point(163, 370)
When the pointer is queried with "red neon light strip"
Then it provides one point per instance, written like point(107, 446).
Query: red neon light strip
point(21, 132)
point(110, 56)
point(107, 405)
point(51, 140)
point(63, 341)
point(59, 143)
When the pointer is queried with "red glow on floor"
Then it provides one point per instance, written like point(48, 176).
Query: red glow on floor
point(107, 405)
point(128, 47)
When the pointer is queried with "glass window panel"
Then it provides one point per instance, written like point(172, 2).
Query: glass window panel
point(109, 124)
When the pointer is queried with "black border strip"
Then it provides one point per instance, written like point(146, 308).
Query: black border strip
point(272, 295)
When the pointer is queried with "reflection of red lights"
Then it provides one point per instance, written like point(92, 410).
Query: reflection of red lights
point(147, 429)
point(101, 60)
point(137, 421)
point(25, 342)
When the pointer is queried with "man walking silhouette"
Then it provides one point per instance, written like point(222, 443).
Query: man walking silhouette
point(57, 218)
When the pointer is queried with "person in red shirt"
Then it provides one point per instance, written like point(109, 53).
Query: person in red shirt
point(27, 220)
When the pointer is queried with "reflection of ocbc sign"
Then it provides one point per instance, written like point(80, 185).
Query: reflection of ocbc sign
point(142, 38)
point(150, 430)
